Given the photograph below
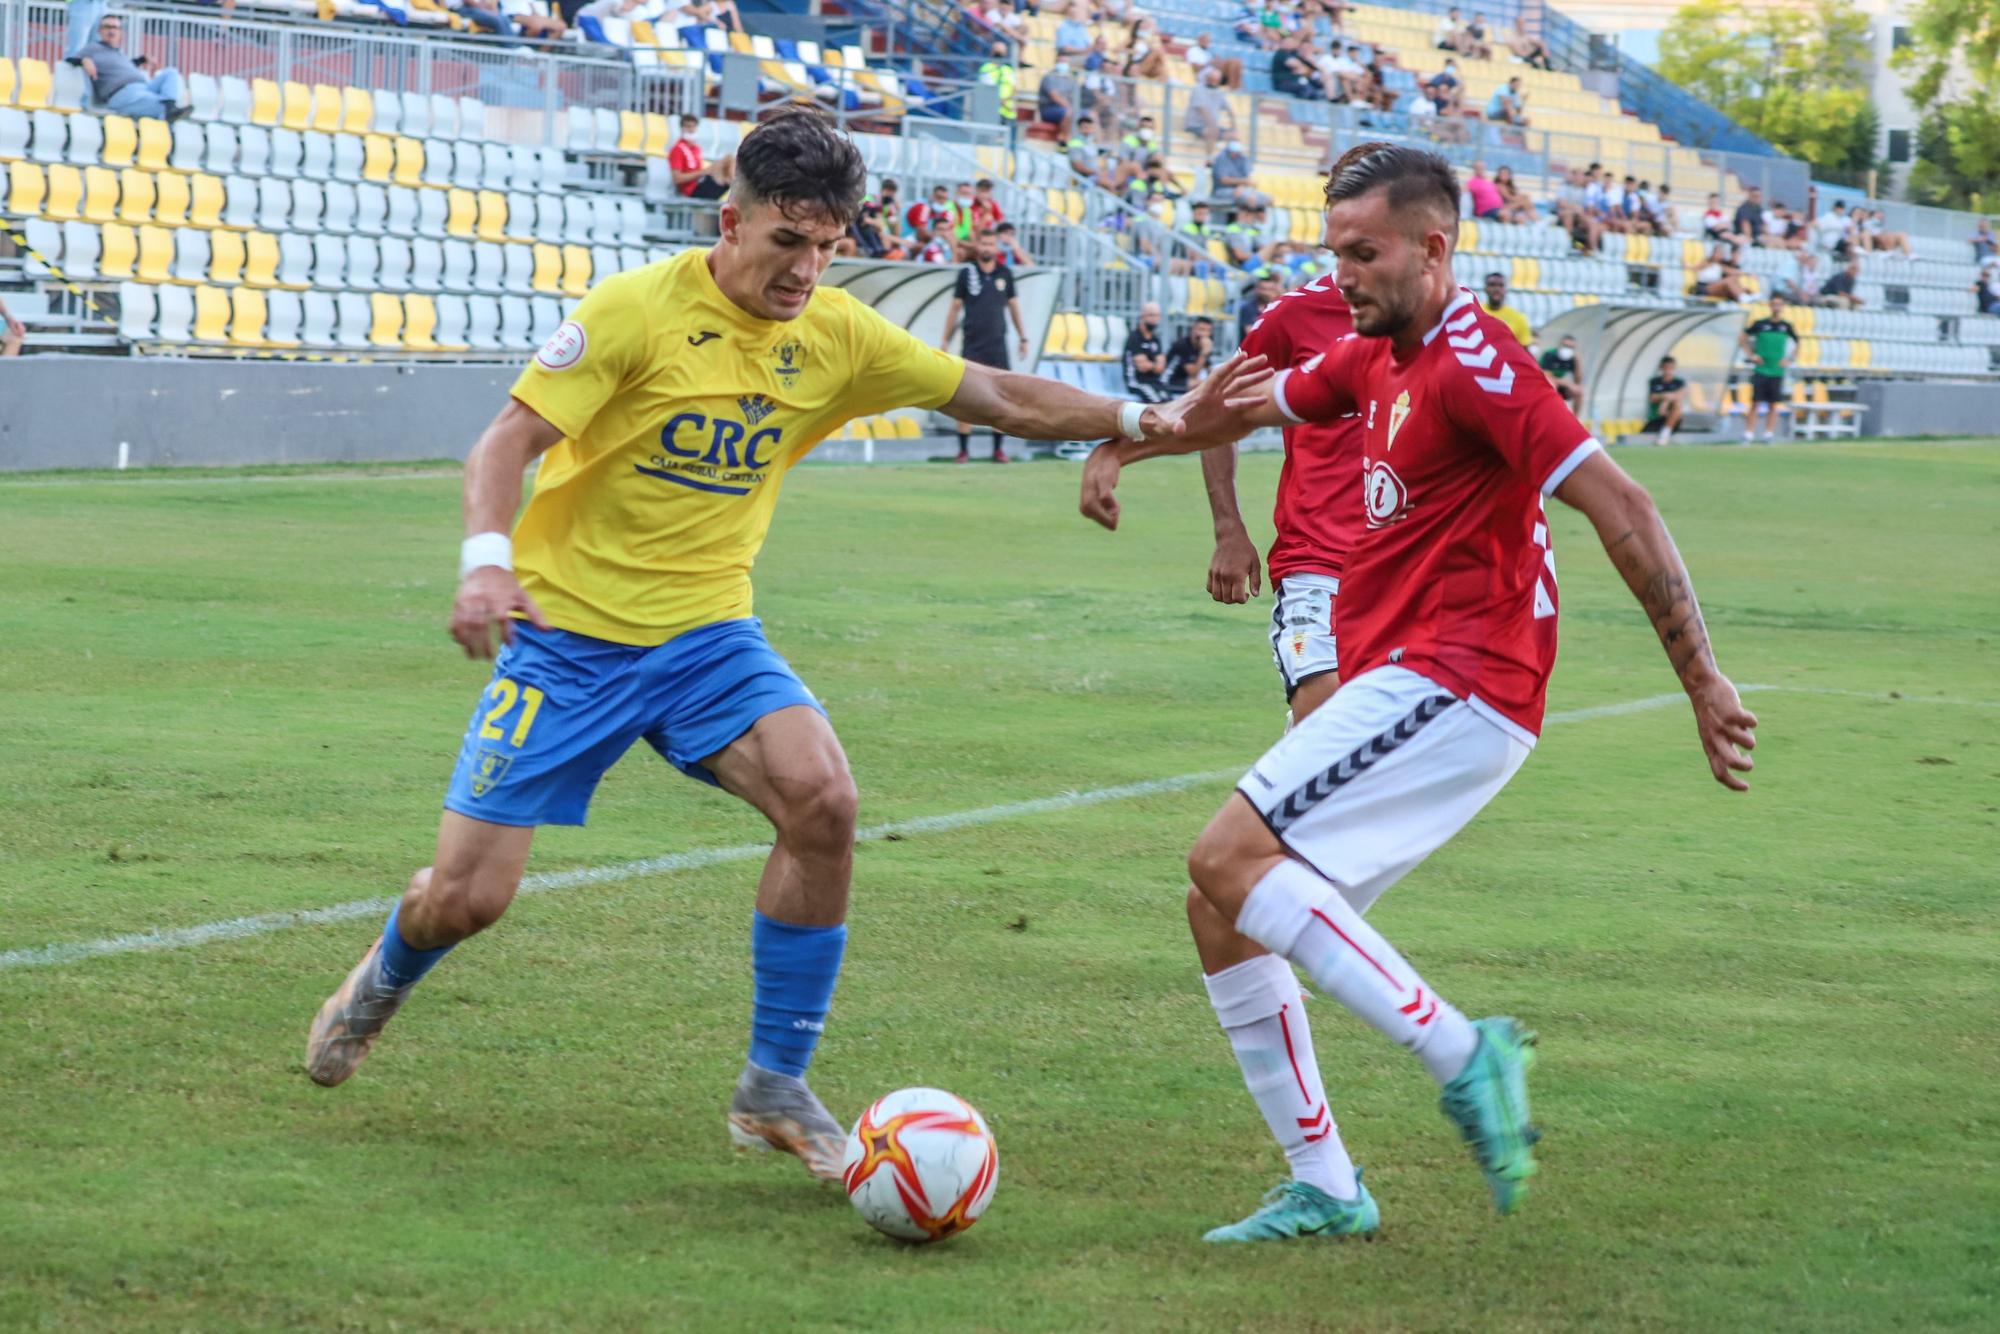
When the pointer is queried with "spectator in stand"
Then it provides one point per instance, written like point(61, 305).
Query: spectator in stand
point(1719, 277)
point(1803, 288)
point(1073, 33)
point(933, 245)
point(1000, 16)
point(1141, 143)
point(1984, 245)
point(927, 217)
point(1347, 75)
point(1450, 34)
point(987, 215)
point(1099, 84)
point(1778, 228)
point(532, 19)
point(1749, 222)
point(1209, 115)
point(1475, 35)
point(1833, 231)
point(1482, 194)
point(601, 9)
point(1986, 289)
point(1292, 75)
point(1643, 208)
point(1188, 358)
point(1145, 359)
point(1443, 89)
point(691, 178)
point(1875, 228)
point(874, 230)
point(1515, 206)
point(1496, 305)
point(1145, 53)
point(1600, 203)
point(1375, 92)
point(1530, 50)
point(1082, 146)
point(1666, 401)
point(1565, 371)
point(1010, 251)
point(1509, 104)
point(1055, 100)
point(1252, 308)
point(1715, 222)
point(1662, 208)
point(1574, 215)
point(1230, 173)
point(1202, 57)
point(1244, 236)
point(12, 332)
point(1154, 182)
point(121, 84)
point(1838, 291)
point(985, 296)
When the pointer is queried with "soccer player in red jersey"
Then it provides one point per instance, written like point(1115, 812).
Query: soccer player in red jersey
point(1317, 517)
point(1447, 629)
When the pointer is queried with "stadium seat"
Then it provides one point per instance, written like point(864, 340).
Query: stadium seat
point(234, 107)
point(319, 314)
point(371, 209)
point(100, 194)
point(295, 261)
point(156, 144)
point(364, 257)
point(632, 257)
point(433, 213)
point(385, 113)
point(80, 246)
point(489, 268)
point(554, 174)
point(197, 200)
point(524, 168)
point(438, 164)
point(604, 221)
point(492, 211)
point(44, 250)
point(50, 136)
point(117, 141)
point(260, 259)
point(496, 167)
point(392, 273)
point(274, 204)
point(576, 270)
point(204, 98)
point(519, 269)
point(253, 150)
point(631, 222)
point(355, 317)
point(119, 251)
point(426, 264)
point(580, 133)
point(176, 314)
point(284, 314)
point(15, 131)
point(190, 146)
point(65, 197)
point(472, 119)
point(415, 115)
point(294, 106)
point(378, 159)
point(451, 323)
point(27, 187)
point(547, 275)
point(461, 213)
point(604, 262)
point(468, 166)
point(340, 203)
point(418, 318)
point(517, 323)
point(457, 274)
point(545, 316)
point(266, 102)
point(317, 164)
point(225, 258)
point(350, 158)
point(33, 83)
point(240, 203)
point(247, 313)
point(135, 312)
point(211, 314)
point(549, 213)
point(385, 324)
point(576, 219)
point(308, 203)
point(409, 172)
point(191, 253)
point(399, 209)
point(156, 255)
point(135, 196)
point(219, 149)
point(482, 329)
point(329, 269)
point(69, 89)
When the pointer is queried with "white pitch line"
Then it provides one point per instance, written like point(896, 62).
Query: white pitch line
point(235, 928)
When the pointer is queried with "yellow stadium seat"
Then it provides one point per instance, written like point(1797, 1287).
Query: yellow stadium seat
point(1697, 396)
point(548, 268)
point(156, 254)
point(266, 102)
point(297, 106)
point(170, 198)
point(260, 259)
point(205, 203)
point(1864, 354)
point(461, 212)
point(492, 215)
point(659, 133)
point(643, 33)
point(420, 317)
point(65, 199)
point(326, 108)
point(155, 143)
point(118, 250)
point(357, 110)
point(135, 196)
point(378, 158)
point(225, 258)
point(409, 162)
point(121, 141)
point(1468, 234)
point(33, 83)
point(100, 194)
point(246, 325)
point(211, 314)
point(385, 330)
point(6, 82)
point(576, 270)
point(26, 188)
point(631, 132)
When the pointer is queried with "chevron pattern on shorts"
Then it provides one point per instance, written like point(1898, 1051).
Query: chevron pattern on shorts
point(1362, 758)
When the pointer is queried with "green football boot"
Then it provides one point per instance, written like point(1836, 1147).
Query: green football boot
point(1295, 1209)
point(1488, 1102)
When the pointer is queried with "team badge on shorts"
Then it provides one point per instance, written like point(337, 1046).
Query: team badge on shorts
point(488, 768)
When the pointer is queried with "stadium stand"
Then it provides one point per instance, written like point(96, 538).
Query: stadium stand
point(360, 181)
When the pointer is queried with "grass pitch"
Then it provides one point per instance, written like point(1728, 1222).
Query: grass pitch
point(1769, 1071)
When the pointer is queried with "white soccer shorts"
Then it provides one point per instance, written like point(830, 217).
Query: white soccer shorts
point(1379, 777)
point(1302, 628)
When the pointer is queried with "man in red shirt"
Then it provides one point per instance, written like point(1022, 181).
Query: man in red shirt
point(1447, 629)
point(691, 178)
point(928, 216)
point(1317, 517)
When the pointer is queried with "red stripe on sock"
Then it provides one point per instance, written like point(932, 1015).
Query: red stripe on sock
point(1356, 948)
point(1285, 1027)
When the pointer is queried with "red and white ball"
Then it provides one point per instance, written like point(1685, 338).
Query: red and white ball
point(921, 1165)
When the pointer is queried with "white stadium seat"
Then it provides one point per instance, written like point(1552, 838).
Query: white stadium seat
point(393, 274)
point(176, 313)
point(190, 148)
point(363, 257)
point(355, 318)
point(253, 150)
point(190, 255)
point(288, 153)
point(320, 314)
point(274, 204)
point(284, 313)
point(136, 305)
point(219, 153)
point(86, 140)
point(341, 206)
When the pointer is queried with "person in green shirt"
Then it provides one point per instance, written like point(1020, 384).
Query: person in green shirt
point(1770, 343)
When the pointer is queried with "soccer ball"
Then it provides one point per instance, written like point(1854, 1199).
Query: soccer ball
point(921, 1165)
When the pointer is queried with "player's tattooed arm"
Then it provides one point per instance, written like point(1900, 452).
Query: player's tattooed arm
point(1636, 539)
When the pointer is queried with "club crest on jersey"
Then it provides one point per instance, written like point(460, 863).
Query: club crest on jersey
point(488, 768)
point(791, 357)
point(1387, 498)
point(1399, 412)
point(756, 407)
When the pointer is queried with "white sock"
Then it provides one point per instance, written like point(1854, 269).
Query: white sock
point(1293, 911)
point(1260, 1008)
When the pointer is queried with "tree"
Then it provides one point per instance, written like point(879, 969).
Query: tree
point(1953, 62)
point(1794, 76)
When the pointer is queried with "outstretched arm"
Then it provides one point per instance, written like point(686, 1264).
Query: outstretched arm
point(1034, 408)
point(1636, 539)
point(1232, 402)
point(488, 592)
point(1234, 572)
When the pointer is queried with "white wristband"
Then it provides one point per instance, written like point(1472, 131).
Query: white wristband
point(483, 549)
point(1130, 419)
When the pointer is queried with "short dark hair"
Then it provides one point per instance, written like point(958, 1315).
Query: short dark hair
point(1003, 227)
point(801, 162)
point(1200, 319)
point(1666, 359)
point(1496, 274)
point(983, 183)
point(985, 232)
point(1412, 176)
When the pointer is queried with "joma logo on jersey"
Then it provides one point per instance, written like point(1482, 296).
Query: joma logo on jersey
point(717, 454)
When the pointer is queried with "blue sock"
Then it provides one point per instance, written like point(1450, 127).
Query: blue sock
point(796, 967)
point(400, 965)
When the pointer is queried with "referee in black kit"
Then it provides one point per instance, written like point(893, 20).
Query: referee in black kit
point(985, 296)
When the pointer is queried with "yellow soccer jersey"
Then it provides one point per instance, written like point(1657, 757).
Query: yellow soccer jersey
point(1513, 319)
point(680, 415)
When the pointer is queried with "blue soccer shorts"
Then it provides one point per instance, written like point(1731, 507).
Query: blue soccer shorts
point(562, 707)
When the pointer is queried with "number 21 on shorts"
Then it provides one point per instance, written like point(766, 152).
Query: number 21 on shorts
point(504, 694)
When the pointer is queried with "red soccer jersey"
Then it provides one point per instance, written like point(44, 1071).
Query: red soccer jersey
point(685, 155)
point(1452, 575)
point(1318, 512)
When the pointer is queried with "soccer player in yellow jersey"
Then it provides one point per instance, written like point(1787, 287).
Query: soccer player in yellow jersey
point(666, 412)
